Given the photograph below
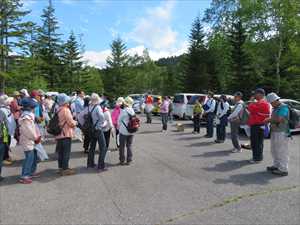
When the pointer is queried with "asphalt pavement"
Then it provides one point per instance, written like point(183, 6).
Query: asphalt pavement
point(175, 178)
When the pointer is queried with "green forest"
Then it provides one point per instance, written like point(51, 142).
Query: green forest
point(248, 44)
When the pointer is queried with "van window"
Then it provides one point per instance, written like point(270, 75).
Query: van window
point(193, 99)
point(178, 99)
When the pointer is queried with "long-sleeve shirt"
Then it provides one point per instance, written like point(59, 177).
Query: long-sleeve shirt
point(7, 116)
point(97, 116)
point(236, 111)
point(15, 109)
point(66, 122)
point(259, 111)
point(164, 108)
point(115, 115)
point(28, 131)
point(211, 103)
point(222, 112)
point(109, 124)
point(79, 105)
point(124, 120)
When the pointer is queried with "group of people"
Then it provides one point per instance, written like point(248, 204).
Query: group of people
point(26, 118)
point(259, 116)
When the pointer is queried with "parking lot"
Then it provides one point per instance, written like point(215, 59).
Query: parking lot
point(175, 178)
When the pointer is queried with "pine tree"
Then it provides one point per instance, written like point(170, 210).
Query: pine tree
point(197, 77)
point(242, 73)
point(49, 46)
point(12, 28)
point(116, 77)
point(72, 64)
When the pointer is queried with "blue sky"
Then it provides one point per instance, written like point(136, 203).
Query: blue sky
point(160, 26)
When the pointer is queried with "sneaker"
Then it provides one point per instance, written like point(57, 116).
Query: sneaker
point(246, 146)
point(68, 172)
point(280, 173)
point(7, 162)
point(271, 168)
point(25, 180)
point(236, 150)
point(254, 161)
point(101, 170)
point(121, 164)
point(219, 141)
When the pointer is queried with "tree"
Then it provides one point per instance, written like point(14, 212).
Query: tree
point(197, 78)
point(72, 64)
point(12, 28)
point(49, 46)
point(116, 78)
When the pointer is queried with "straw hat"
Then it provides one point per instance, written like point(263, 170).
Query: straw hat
point(128, 101)
point(95, 99)
point(120, 101)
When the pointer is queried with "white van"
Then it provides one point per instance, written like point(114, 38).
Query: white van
point(190, 105)
point(180, 104)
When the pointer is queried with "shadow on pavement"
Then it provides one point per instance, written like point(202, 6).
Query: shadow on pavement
point(189, 138)
point(214, 154)
point(201, 144)
point(229, 165)
point(150, 132)
point(260, 178)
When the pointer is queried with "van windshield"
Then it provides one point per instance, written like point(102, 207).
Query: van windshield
point(193, 99)
point(178, 99)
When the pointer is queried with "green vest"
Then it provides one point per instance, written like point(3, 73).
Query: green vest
point(280, 127)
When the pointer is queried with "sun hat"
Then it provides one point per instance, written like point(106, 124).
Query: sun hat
point(120, 101)
point(4, 100)
point(24, 92)
point(28, 103)
point(128, 101)
point(34, 94)
point(272, 97)
point(41, 92)
point(16, 93)
point(63, 99)
point(238, 94)
point(260, 91)
point(95, 99)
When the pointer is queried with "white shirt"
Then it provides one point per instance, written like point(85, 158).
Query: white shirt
point(124, 119)
point(109, 124)
point(221, 112)
point(237, 110)
point(211, 103)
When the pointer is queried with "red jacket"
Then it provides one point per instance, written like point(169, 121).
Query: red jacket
point(259, 111)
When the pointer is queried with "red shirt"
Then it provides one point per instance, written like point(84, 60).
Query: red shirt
point(259, 111)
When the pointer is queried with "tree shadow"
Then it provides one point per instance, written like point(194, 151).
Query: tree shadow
point(229, 165)
point(201, 144)
point(260, 178)
point(213, 154)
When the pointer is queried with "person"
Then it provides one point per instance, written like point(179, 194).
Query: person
point(171, 108)
point(280, 133)
point(115, 118)
point(99, 122)
point(209, 108)
point(64, 139)
point(38, 111)
point(81, 121)
point(148, 108)
point(24, 93)
point(126, 138)
point(259, 111)
point(222, 119)
point(234, 119)
point(197, 114)
point(164, 112)
point(29, 136)
point(79, 102)
point(109, 124)
point(9, 124)
point(15, 105)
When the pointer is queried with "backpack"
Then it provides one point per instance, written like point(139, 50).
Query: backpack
point(53, 126)
point(3, 129)
point(293, 118)
point(88, 125)
point(133, 124)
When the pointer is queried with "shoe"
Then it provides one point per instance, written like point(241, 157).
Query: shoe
point(254, 161)
point(280, 173)
point(91, 167)
point(121, 164)
point(271, 168)
point(36, 175)
point(236, 150)
point(68, 172)
point(246, 146)
point(101, 170)
point(25, 180)
point(128, 163)
point(1, 178)
point(7, 162)
point(86, 151)
point(219, 141)
point(207, 136)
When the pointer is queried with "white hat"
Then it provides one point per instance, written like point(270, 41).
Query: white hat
point(95, 99)
point(272, 97)
point(4, 100)
point(24, 92)
point(128, 101)
point(120, 101)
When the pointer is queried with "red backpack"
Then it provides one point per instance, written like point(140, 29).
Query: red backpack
point(133, 124)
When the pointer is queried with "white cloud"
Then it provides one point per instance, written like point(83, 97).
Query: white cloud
point(154, 29)
point(27, 3)
point(97, 59)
